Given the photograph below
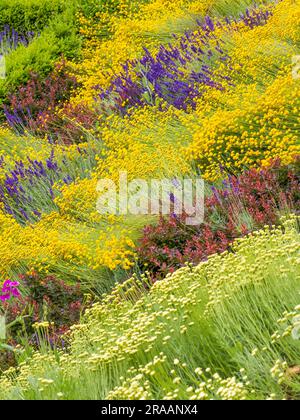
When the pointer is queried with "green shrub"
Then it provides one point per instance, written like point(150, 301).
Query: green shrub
point(91, 7)
point(31, 15)
point(59, 39)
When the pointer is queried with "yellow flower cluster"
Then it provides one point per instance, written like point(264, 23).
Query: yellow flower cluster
point(252, 134)
point(114, 251)
point(131, 341)
point(60, 245)
point(249, 125)
point(132, 144)
point(14, 148)
point(146, 144)
point(131, 30)
point(258, 119)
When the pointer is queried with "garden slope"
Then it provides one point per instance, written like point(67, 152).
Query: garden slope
point(221, 330)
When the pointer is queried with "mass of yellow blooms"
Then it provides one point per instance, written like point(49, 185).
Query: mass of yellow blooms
point(251, 122)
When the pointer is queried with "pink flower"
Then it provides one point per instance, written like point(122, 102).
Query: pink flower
point(9, 289)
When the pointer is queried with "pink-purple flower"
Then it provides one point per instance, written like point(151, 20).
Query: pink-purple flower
point(9, 290)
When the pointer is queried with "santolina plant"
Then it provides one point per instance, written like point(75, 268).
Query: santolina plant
point(178, 341)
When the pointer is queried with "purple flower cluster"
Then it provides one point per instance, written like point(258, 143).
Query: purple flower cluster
point(27, 190)
point(15, 121)
point(10, 39)
point(9, 290)
point(179, 73)
point(255, 17)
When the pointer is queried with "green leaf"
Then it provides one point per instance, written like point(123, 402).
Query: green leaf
point(2, 328)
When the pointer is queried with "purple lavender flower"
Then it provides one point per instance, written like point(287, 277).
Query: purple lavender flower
point(209, 23)
point(10, 39)
point(21, 188)
point(174, 74)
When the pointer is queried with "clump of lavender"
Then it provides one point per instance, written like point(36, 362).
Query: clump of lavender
point(179, 73)
point(10, 39)
point(28, 188)
point(256, 17)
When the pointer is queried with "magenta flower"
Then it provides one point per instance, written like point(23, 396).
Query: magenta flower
point(9, 289)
